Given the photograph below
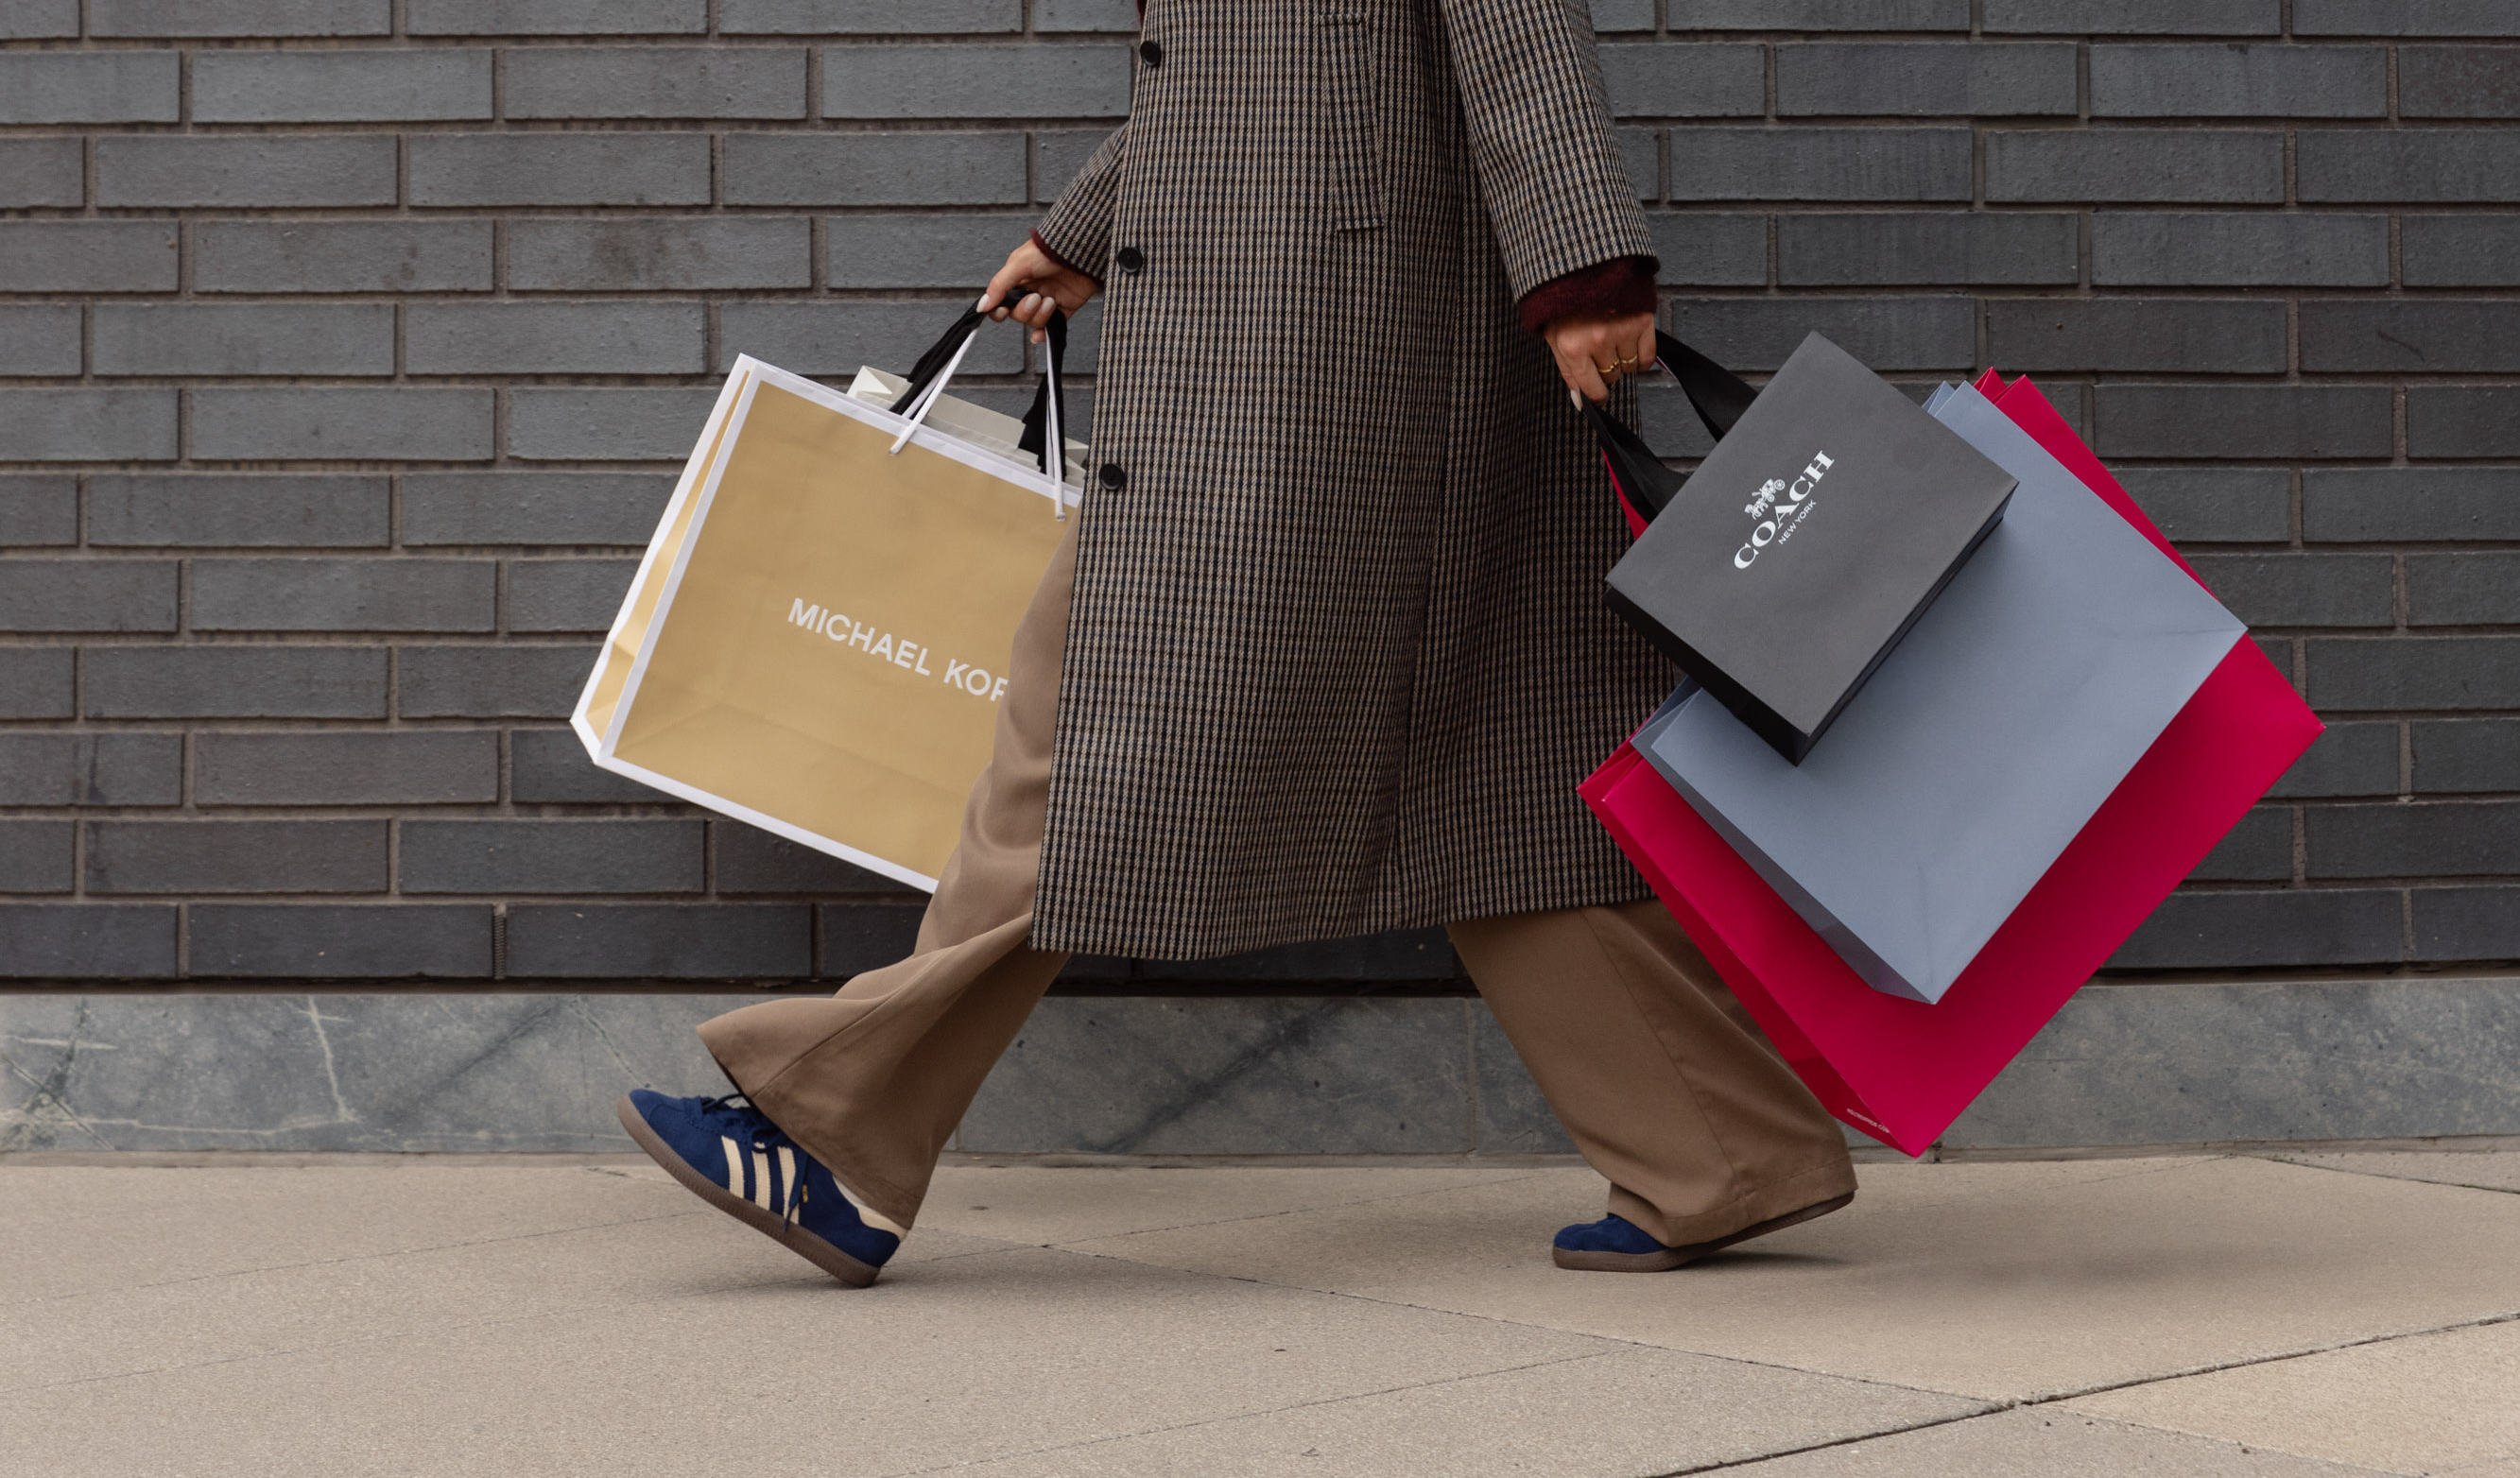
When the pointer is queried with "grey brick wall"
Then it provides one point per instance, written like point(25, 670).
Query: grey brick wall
point(346, 348)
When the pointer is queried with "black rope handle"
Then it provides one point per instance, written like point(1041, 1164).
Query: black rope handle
point(1716, 394)
point(1036, 422)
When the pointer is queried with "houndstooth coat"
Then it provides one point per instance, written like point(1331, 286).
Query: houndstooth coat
point(1338, 656)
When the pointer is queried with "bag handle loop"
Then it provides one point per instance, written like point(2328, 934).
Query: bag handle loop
point(1718, 396)
point(1044, 434)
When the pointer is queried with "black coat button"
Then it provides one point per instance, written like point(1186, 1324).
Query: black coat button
point(1113, 478)
point(1152, 52)
point(1132, 260)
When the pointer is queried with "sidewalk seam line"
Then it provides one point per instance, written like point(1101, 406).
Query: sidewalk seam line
point(2036, 1401)
point(1499, 1318)
point(2374, 1175)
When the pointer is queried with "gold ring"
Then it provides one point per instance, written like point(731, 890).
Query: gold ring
point(1606, 371)
point(1626, 363)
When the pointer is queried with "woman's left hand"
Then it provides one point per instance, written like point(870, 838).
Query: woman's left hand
point(1033, 284)
point(1594, 353)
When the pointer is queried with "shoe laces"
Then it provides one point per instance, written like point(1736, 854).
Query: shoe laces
point(768, 1140)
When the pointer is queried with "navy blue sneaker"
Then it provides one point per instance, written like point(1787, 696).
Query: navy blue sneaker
point(729, 1154)
point(1615, 1244)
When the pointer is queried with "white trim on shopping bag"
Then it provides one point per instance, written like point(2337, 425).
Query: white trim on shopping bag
point(606, 756)
point(749, 816)
point(695, 467)
point(692, 466)
point(943, 443)
point(708, 495)
point(1054, 436)
point(701, 480)
point(934, 393)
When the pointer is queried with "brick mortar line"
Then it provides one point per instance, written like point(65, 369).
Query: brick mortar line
point(631, 380)
point(528, 554)
point(1675, 298)
point(661, 126)
point(1036, 40)
point(982, 209)
point(721, 126)
point(596, 812)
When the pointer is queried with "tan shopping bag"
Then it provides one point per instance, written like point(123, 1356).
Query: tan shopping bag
point(817, 640)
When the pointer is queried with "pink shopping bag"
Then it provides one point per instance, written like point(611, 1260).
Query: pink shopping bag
point(1903, 1070)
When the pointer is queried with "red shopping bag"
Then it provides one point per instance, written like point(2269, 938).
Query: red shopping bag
point(1903, 1070)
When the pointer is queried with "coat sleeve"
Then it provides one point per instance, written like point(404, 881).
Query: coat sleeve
point(1612, 290)
point(1556, 191)
point(1077, 231)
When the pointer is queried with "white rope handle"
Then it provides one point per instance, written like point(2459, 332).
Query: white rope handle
point(1054, 456)
point(927, 397)
point(1053, 442)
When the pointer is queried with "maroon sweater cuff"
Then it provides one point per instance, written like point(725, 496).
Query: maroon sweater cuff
point(1060, 260)
point(1609, 290)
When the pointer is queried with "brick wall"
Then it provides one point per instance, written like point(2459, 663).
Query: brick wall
point(346, 347)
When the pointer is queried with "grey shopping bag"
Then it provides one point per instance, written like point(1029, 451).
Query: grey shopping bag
point(1983, 744)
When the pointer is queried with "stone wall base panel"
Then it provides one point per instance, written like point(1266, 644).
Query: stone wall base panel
point(2393, 1062)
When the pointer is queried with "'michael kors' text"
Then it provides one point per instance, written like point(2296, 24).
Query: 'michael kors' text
point(1779, 508)
point(900, 651)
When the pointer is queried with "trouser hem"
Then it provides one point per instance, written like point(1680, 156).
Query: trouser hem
point(1768, 1200)
point(885, 1198)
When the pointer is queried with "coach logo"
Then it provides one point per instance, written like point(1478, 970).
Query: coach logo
point(1780, 507)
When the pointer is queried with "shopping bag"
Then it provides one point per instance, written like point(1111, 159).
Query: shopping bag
point(1902, 1070)
point(1975, 754)
point(1827, 519)
point(817, 638)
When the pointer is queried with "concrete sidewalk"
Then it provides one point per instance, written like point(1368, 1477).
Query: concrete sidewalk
point(2325, 1313)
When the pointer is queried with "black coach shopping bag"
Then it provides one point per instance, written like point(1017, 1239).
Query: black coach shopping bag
point(1829, 515)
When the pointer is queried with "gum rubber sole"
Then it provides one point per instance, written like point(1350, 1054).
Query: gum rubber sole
point(796, 1239)
point(1668, 1258)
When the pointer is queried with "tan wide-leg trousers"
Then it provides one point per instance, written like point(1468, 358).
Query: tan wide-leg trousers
point(1653, 1068)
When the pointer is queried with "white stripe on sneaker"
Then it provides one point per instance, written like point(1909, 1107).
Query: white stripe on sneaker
point(734, 1167)
point(869, 1215)
point(786, 1177)
point(761, 1180)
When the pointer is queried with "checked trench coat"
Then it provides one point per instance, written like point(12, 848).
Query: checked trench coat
point(1338, 657)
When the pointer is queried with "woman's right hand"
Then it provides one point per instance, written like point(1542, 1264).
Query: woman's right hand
point(1030, 285)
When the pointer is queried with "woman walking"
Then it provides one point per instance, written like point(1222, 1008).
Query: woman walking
point(1325, 652)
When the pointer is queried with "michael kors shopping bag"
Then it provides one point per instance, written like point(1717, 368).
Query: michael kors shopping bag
point(817, 640)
